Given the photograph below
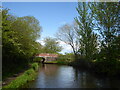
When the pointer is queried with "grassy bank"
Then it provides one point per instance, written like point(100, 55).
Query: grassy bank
point(27, 76)
point(57, 62)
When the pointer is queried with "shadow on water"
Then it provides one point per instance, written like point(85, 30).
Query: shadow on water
point(61, 76)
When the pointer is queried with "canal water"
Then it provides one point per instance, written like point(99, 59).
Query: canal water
point(62, 76)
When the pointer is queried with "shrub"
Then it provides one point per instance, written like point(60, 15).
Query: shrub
point(29, 72)
point(28, 75)
point(35, 66)
point(21, 80)
point(37, 59)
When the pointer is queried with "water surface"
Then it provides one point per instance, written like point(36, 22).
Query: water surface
point(62, 76)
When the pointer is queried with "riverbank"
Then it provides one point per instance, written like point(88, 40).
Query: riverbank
point(25, 77)
point(94, 69)
point(90, 67)
point(57, 62)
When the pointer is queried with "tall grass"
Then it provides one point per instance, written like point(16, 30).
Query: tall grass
point(27, 76)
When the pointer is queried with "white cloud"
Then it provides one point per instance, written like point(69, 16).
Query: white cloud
point(41, 42)
point(66, 47)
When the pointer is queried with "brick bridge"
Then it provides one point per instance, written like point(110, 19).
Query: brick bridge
point(48, 56)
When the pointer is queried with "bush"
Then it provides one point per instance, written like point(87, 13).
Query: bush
point(107, 67)
point(62, 62)
point(21, 80)
point(65, 59)
point(28, 75)
point(35, 66)
point(29, 72)
point(37, 59)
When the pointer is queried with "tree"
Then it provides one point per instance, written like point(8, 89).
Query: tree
point(87, 37)
point(19, 44)
point(27, 30)
point(67, 34)
point(107, 17)
point(51, 45)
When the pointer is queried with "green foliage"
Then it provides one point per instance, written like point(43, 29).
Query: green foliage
point(30, 71)
point(51, 45)
point(65, 59)
point(107, 67)
point(21, 80)
point(19, 44)
point(85, 32)
point(52, 62)
point(37, 59)
point(62, 62)
point(68, 57)
point(58, 62)
point(107, 17)
point(95, 39)
point(35, 66)
point(27, 76)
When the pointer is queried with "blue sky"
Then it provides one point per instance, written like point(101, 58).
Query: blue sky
point(51, 15)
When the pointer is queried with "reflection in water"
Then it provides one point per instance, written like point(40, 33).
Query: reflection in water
point(61, 76)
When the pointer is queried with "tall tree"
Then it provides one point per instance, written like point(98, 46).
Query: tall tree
point(51, 45)
point(107, 15)
point(27, 30)
point(67, 34)
point(19, 36)
point(87, 37)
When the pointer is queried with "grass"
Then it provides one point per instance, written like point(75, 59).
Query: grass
point(27, 76)
point(37, 59)
point(62, 62)
point(54, 62)
point(58, 62)
point(35, 66)
point(13, 70)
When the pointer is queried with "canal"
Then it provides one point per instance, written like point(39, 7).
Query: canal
point(62, 76)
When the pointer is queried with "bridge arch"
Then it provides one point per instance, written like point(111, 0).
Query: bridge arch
point(48, 56)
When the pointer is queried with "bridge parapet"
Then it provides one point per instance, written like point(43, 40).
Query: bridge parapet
point(48, 56)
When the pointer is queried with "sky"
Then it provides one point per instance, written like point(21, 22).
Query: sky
point(51, 16)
